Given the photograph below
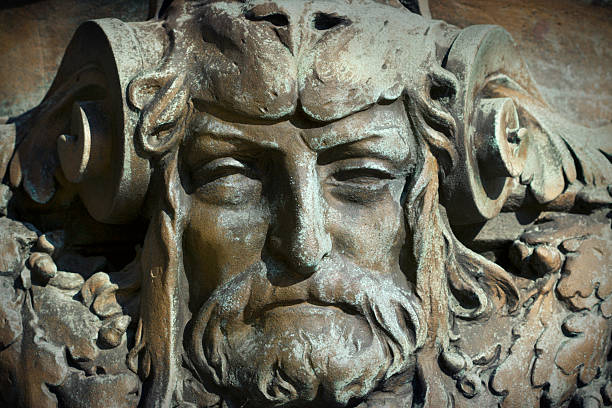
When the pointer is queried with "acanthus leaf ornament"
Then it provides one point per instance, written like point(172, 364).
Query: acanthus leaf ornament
point(302, 204)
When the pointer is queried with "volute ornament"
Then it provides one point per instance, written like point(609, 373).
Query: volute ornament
point(302, 204)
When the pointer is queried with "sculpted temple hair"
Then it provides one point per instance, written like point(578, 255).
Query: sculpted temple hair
point(450, 280)
point(303, 204)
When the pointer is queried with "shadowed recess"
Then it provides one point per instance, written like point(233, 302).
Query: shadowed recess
point(276, 19)
point(324, 21)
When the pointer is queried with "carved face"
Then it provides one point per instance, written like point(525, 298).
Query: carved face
point(299, 227)
point(295, 194)
point(297, 155)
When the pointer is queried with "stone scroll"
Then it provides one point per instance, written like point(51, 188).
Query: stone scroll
point(334, 203)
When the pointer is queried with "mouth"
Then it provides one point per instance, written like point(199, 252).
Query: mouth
point(311, 304)
point(339, 321)
point(303, 309)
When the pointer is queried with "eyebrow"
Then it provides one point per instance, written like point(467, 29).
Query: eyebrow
point(225, 132)
point(237, 139)
point(332, 139)
point(359, 149)
point(217, 129)
point(325, 143)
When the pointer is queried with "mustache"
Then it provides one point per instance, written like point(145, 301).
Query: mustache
point(392, 312)
point(339, 283)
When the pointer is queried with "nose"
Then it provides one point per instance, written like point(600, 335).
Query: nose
point(298, 234)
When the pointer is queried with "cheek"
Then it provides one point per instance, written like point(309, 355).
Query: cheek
point(372, 235)
point(220, 242)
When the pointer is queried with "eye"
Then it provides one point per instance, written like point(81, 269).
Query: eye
point(216, 169)
point(360, 181)
point(226, 181)
point(362, 175)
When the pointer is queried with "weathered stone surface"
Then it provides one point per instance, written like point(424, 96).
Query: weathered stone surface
point(5, 196)
point(100, 391)
point(42, 266)
point(15, 241)
point(67, 322)
point(11, 300)
point(303, 204)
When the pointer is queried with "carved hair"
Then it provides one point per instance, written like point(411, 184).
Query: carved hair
point(451, 281)
point(444, 266)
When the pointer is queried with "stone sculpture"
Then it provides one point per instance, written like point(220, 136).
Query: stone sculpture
point(302, 204)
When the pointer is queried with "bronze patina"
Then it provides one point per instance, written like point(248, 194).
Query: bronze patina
point(336, 203)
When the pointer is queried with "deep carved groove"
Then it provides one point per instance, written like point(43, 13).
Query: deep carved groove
point(324, 21)
point(276, 19)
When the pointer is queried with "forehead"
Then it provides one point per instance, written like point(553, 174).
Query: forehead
point(324, 59)
point(383, 130)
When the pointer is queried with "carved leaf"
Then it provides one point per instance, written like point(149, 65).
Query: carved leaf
point(586, 352)
point(41, 364)
point(100, 391)
point(545, 177)
point(570, 347)
point(558, 386)
point(587, 277)
point(67, 322)
point(512, 378)
point(10, 313)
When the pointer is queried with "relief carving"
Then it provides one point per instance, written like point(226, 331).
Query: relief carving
point(302, 204)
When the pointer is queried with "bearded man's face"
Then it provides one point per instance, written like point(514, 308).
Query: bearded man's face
point(292, 251)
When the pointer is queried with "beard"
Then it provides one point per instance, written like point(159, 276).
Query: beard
point(331, 338)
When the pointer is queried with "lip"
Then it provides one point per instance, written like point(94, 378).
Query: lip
point(317, 319)
point(303, 307)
